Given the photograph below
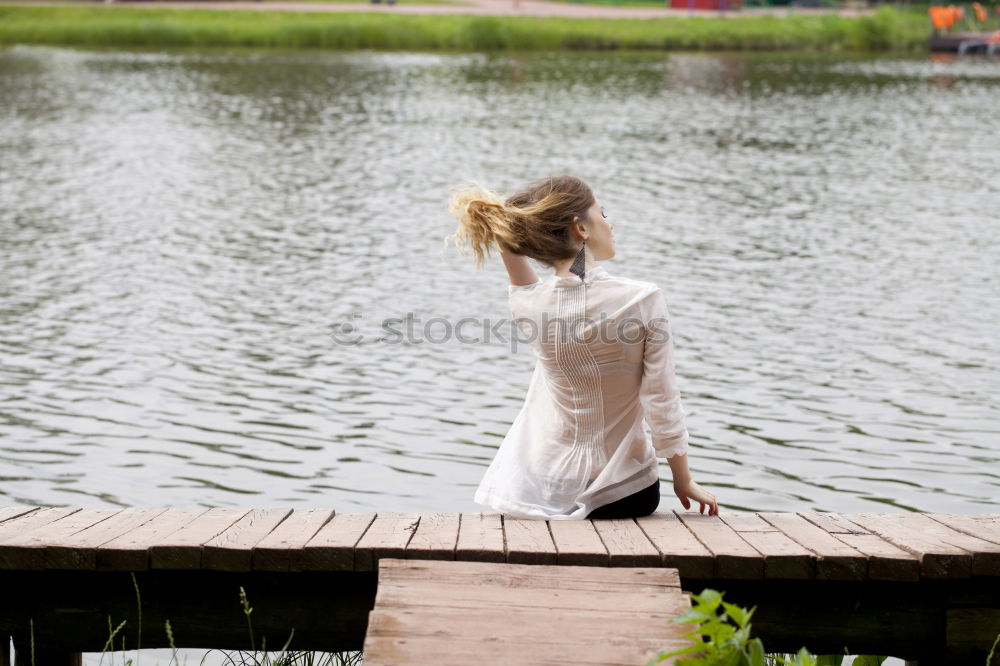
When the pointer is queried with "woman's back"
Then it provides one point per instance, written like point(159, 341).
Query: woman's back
point(579, 442)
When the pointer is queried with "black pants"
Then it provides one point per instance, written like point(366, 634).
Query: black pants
point(636, 505)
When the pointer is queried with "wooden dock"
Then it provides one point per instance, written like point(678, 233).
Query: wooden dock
point(962, 42)
point(912, 585)
point(452, 613)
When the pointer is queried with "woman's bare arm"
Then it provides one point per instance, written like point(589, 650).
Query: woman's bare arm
point(518, 268)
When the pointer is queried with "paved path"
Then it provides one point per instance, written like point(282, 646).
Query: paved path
point(482, 7)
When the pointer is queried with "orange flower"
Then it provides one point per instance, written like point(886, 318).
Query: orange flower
point(939, 17)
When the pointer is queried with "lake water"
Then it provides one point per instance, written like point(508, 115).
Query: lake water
point(184, 235)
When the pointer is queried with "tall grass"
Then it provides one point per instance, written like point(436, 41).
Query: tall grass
point(886, 30)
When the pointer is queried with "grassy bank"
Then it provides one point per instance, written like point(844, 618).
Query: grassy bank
point(886, 30)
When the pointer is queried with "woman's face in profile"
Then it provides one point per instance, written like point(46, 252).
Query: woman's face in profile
point(602, 238)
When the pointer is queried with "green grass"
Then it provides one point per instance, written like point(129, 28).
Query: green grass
point(886, 30)
point(90, 3)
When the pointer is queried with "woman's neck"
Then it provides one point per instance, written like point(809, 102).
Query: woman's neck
point(562, 266)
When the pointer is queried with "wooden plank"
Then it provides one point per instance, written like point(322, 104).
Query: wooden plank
point(130, 551)
point(834, 523)
point(279, 550)
point(734, 557)
point(332, 548)
point(985, 553)
point(79, 550)
point(577, 542)
point(387, 537)
point(783, 557)
point(15, 527)
point(182, 549)
point(435, 538)
point(678, 546)
point(937, 558)
point(885, 560)
point(943, 552)
point(480, 538)
point(458, 651)
point(985, 527)
point(232, 550)
point(528, 541)
point(627, 544)
point(527, 624)
point(27, 550)
point(8, 512)
point(836, 560)
point(551, 576)
point(618, 603)
point(444, 612)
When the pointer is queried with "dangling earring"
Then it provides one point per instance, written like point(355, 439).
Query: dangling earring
point(578, 264)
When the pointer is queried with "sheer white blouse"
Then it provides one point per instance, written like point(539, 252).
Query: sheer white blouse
point(604, 371)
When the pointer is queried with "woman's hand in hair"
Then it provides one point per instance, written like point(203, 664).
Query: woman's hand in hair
point(689, 490)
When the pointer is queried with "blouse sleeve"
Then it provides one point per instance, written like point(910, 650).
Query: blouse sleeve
point(658, 392)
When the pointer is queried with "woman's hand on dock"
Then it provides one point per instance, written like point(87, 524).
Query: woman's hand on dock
point(692, 491)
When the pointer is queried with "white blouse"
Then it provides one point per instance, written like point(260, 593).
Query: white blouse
point(579, 441)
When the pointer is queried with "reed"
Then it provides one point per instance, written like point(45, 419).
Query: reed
point(886, 30)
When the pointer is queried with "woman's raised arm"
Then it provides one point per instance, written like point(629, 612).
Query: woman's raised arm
point(518, 268)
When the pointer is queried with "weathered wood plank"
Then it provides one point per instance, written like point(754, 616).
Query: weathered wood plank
point(885, 561)
point(834, 523)
point(28, 549)
point(783, 557)
point(435, 538)
point(333, 546)
point(393, 650)
point(130, 551)
point(925, 538)
point(985, 527)
point(182, 548)
point(734, 557)
point(553, 576)
point(615, 602)
point(836, 560)
point(528, 541)
point(16, 527)
point(79, 550)
point(627, 544)
point(387, 537)
point(480, 538)
point(529, 624)
point(577, 542)
point(8, 512)
point(232, 550)
point(678, 546)
point(985, 554)
point(278, 551)
point(452, 603)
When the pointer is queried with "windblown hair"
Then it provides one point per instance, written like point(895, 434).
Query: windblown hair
point(534, 222)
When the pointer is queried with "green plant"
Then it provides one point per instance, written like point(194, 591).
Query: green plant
point(726, 644)
point(726, 627)
point(989, 657)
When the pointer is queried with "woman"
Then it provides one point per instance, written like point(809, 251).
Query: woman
point(578, 447)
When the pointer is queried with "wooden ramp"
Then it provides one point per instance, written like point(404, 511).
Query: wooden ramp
point(440, 612)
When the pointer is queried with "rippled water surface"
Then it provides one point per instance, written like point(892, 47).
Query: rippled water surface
point(184, 235)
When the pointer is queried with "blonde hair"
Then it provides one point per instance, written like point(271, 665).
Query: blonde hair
point(534, 222)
